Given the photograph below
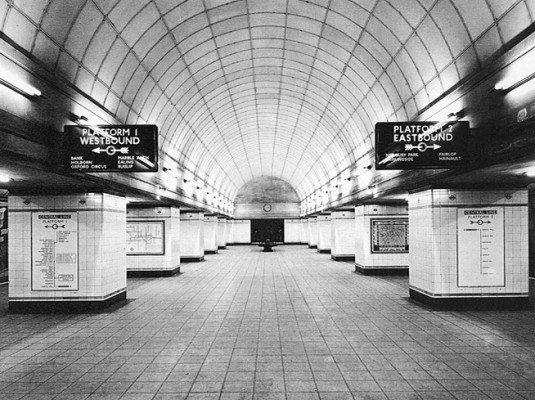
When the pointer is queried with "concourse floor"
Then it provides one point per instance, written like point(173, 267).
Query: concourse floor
point(245, 324)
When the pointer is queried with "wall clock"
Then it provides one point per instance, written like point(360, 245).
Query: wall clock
point(267, 207)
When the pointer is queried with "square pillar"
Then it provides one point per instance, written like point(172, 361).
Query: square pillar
point(66, 253)
point(242, 231)
point(191, 236)
point(230, 231)
point(469, 248)
point(292, 229)
point(343, 235)
point(324, 233)
point(221, 234)
point(382, 239)
point(3, 240)
point(153, 241)
point(312, 233)
point(210, 234)
point(304, 230)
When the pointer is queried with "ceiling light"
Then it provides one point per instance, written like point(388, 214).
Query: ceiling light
point(5, 178)
point(530, 172)
point(506, 85)
point(18, 85)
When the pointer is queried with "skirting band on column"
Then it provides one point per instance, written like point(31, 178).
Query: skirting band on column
point(191, 259)
point(324, 251)
point(221, 247)
point(210, 251)
point(156, 273)
point(64, 306)
point(312, 246)
point(471, 302)
point(379, 270)
point(342, 258)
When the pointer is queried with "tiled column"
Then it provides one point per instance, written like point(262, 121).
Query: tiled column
point(66, 253)
point(3, 240)
point(312, 233)
point(191, 236)
point(153, 241)
point(230, 231)
point(242, 231)
point(324, 233)
point(469, 248)
point(210, 234)
point(381, 238)
point(343, 235)
point(291, 230)
point(221, 234)
point(304, 230)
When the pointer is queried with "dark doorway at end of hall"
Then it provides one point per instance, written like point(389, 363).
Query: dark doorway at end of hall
point(262, 229)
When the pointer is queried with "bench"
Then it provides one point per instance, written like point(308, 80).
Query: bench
point(268, 246)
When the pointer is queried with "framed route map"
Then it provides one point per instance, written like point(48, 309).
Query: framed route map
point(145, 238)
point(389, 235)
point(54, 251)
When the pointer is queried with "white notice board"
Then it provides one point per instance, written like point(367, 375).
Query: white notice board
point(54, 251)
point(480, 247)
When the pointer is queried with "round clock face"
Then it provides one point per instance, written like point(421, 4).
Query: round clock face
point(267, 207)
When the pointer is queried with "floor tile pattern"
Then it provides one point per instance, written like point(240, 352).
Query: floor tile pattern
point(250, 325)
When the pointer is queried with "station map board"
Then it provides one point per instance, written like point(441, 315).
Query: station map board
point(389, 235)
point(145, 238)
point(480, 247)
point(110, 148)
point(420, 145)
point(54, 251)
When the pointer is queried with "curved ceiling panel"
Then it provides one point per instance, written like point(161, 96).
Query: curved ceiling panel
point(248, 88)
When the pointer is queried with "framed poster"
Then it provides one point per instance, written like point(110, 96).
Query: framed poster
point(54, 251)
point(480, 247)
point(145, 238)
point(389, 235)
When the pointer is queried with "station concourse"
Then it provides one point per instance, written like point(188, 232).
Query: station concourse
point(383, 150)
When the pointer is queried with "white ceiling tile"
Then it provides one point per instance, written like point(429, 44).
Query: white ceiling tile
point(83, 30)
point(20, 28)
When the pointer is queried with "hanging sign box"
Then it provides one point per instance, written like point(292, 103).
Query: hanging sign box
point(110, 148)
point(419, 145)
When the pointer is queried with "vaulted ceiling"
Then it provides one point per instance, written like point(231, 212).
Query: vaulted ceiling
point(247, 88)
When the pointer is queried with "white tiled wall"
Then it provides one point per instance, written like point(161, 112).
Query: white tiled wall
point(323, 224)
point(433, 240)
point(171, 257)
point(292, 228)
point(242, 231)
point(363, 252)
point(221, 233)
point(343, 233)
point(210, 233)
point(304, 231)
point(101, 244)
point(191, 234)
point(312, 232)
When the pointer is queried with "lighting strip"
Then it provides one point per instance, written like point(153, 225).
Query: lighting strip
point(20, 87)
point(504, 87)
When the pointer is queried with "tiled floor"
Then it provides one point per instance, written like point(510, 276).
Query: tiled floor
point(291, 324)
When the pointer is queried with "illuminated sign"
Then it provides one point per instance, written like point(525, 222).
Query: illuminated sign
point(417, 145)
point(110, 148)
